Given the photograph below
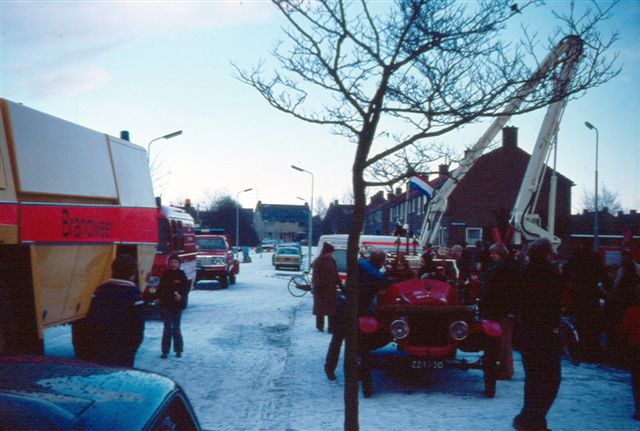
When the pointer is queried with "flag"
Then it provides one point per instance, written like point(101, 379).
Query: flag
point(419, 183)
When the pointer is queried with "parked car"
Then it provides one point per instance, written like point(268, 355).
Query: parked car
point(52, 393)
point(287, 257)
point(267, 245)
point(429, 320)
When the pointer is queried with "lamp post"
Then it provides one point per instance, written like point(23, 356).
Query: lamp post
point(596, 227)
point(310, 234)
point(167, 136)
point(238, 220)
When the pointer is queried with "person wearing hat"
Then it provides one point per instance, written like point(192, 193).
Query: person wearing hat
point(325, 281)
point(172, 296)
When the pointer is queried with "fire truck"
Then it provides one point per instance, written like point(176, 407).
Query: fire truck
point(176, 235)
point(71, 199)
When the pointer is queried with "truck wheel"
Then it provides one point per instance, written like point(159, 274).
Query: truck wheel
point(232, 279)
point(224, 281)
point(489, 384)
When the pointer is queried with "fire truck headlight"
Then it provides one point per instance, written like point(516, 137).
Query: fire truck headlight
point(459, 330)
point(153, 282)
point(153, 290)
point(399, 329)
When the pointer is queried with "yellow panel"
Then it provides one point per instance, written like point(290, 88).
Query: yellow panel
point(146, 254)
point(8, 234)
point(65, 278)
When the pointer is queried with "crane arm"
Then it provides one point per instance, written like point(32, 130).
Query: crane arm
point(567, 51)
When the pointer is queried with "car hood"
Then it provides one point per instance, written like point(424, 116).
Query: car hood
point(99, 397)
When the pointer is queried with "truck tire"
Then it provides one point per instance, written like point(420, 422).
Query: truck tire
point(224, 281)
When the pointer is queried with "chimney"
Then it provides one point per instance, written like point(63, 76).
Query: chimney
point(443, 170)
point(389, 196)
point(398, 191)
point(510, 137)
point(335, 202)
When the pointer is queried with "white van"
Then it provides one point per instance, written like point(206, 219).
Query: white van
point(387, 243)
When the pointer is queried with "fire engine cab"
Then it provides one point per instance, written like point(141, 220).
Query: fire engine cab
point(176, 235)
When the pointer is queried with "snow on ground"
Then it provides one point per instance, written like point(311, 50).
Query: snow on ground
point(253, 360)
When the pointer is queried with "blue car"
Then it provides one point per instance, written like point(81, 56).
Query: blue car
point(51, 393)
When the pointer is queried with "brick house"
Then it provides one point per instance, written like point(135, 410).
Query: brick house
point(336, 220)
point(481, 201)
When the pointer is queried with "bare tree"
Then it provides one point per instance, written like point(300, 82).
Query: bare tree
point(320, 207)
point(606, 199)
point(388, 75)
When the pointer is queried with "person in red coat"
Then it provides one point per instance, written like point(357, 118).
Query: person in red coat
point(630, 326)
point(325, 281)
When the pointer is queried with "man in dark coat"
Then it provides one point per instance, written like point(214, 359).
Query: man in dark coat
point(497, 303)
point(114, 327)
point(537, 325)
point(325, 281)
point(584, 271)
point(172, 298)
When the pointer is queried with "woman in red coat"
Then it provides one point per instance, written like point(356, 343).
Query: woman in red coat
point(325, 281)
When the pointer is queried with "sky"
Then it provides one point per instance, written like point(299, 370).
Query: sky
point(253, 360)
point(155, 67)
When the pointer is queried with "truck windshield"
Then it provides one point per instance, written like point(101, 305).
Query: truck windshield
point(210, 244)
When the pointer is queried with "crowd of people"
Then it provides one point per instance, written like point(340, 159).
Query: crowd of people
point(526, 292)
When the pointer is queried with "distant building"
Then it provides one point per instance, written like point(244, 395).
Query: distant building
point(615, 232)
point(283, 222)
point(337, 219)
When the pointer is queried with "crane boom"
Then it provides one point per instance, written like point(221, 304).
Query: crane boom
point(567, 52)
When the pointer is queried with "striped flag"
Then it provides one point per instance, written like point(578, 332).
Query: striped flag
point(418, 183)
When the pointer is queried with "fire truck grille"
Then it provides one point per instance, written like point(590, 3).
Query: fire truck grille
point(428, 331)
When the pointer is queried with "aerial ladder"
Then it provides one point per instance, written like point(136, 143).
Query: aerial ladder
point(523, 221)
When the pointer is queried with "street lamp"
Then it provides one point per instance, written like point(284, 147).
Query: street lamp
point(596, 227)
point(167, 136)
point(238, 219)
point(310, 234)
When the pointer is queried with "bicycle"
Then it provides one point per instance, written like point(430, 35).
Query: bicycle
point(570, 340)
point(299, 284)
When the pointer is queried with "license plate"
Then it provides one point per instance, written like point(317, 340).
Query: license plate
point(421, 364)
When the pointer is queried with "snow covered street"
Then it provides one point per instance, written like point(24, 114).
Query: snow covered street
point(253, 360)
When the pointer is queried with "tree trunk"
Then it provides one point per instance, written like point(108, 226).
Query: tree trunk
point(351, 422)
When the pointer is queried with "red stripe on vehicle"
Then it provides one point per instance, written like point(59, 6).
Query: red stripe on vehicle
point(86, 224)
point(8, 213)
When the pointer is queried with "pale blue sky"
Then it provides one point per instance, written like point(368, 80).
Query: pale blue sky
point(155, 67)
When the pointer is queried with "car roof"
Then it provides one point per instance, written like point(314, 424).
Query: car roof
point(65, 391)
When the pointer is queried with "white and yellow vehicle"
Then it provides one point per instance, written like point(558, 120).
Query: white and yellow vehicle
point(71, 199)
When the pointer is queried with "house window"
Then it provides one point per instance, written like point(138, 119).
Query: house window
point(444, 236)
point(473, 234)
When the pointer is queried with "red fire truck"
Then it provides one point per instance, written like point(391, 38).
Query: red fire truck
point(175, 235)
